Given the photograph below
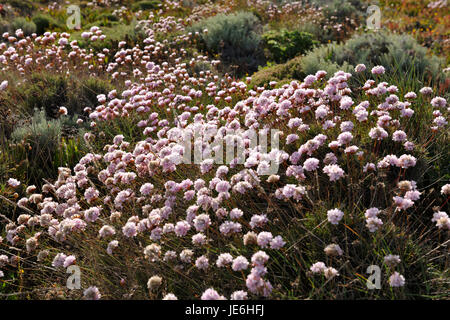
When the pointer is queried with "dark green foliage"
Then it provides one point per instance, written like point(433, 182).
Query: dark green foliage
point(45, 91)
point(235, 38)
point(4, 26)
point(106, 20)
point(146, 5)
point(284, 44)
point(108, 16)
point(39, 148)
point(44, 23)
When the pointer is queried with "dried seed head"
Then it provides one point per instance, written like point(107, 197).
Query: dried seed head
point(154, 283)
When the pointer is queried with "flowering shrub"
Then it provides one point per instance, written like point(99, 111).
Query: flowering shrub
point(38, 149)
point(343, 16)
point(283, 72)
point(44, 23)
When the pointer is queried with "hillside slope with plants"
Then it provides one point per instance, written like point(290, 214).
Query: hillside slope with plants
point(116, 136)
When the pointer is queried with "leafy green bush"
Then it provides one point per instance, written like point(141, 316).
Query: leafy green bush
point(4, 26)
point(235, 37)
point(321, 58)
point(106, 20)
point(83, 93)
point(284, 44)
point(146, 5)
point(28, 27)
point(42, 23)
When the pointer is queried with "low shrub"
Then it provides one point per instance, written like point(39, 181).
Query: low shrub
point(105, 20)
point(41, 131)
point(312, 28)
point(28, 27)
point(399, 54)
point(44, 23)
point(283, 45)
point(39, 147)
point(236, 38)
point(45, 91)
